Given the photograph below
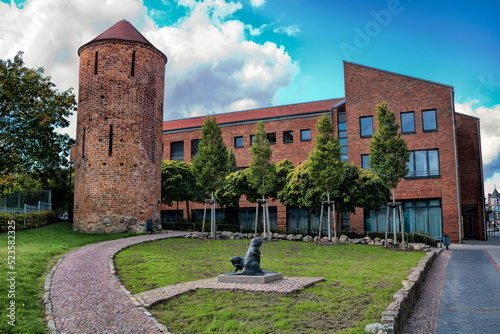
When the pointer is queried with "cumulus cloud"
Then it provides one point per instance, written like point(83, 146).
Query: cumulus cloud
point(212, 66)
point(489, 120)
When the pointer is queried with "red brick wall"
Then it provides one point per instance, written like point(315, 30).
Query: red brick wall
point(365, 88)
point(296, 152)
point(118, 190)
point(471, 180)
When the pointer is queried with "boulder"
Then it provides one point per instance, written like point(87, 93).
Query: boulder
point(289, 237)
point(307, 238)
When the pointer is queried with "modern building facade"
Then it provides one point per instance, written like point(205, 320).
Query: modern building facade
point(442, 194)
point(118, 150)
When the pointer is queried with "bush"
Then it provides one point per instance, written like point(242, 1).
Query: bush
point(28, 220)
point(425, 238)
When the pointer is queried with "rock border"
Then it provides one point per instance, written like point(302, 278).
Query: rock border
point(394, 316)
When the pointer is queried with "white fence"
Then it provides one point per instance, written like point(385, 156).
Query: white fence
point(27, 208)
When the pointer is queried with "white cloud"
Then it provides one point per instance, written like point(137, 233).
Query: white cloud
point(257, 3)
point(212, 67)
point(288, 30)
point(489, 120)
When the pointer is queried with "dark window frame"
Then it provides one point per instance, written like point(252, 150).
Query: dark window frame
point(236, 142)
point(424, 129)
point(403, 131)
point(287, 137)
point(271, 137)
point(176, 157)
point(423, 174)
point(365, 165)
point(194, 147)
point(361, 132)
point(302, 132)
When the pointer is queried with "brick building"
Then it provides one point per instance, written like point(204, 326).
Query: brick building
point(442, 194)
point(119, 127)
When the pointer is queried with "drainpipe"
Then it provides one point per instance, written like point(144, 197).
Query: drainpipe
point(457, 180)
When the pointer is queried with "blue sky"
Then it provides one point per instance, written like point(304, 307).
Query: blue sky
point(233, 55)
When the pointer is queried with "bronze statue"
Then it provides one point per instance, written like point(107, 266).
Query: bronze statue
point(250, 265)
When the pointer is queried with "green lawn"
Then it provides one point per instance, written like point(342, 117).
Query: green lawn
point(360, 283)
point(36, 252)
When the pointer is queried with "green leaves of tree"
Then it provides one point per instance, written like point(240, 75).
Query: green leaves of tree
point(30, 110)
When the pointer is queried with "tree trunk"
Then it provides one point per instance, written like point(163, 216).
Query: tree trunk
point(329, 216)
point(212, 221)
point(188, 213)
point(320, 221)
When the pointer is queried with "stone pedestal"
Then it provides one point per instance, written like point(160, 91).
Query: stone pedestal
point(246, 279)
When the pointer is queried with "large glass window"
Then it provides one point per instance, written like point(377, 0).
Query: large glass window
point(419, 216)
point(424, 163)
point(305, 135)
point(366, 126)
point(429, 120)
point(408, 122)
point(304, 221)
point(177, 150)
point(246, 217)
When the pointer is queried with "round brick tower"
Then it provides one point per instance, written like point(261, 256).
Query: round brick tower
point(118, 147)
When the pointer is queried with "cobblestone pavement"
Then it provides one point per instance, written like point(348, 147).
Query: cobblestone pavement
point(286, 284)
point(83, 296)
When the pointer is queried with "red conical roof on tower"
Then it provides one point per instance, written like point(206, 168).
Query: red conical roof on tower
point(124, 31)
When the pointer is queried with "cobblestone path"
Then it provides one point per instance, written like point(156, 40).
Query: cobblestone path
point(83, 296)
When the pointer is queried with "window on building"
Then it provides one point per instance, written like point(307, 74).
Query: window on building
point(342, 129)
point(429, 120)
point(422, 215)
point(366, 126)
point(305, 135)
point(194, 147)
point(423, 163)
point(238, 141)
point(365, 161)
point(287, 136)
point(252, 139)
point(271, 137)
point(408, 122)
point(177, 150)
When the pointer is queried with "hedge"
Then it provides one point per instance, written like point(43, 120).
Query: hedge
point(27, 220)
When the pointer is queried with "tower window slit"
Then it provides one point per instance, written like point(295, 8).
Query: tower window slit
point(132, 71)
point(83, 142)
point(95, 62)
point(110, 150)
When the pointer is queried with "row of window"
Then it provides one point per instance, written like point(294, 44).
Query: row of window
point(288, 137)
point(423, 163)
point(429, 123)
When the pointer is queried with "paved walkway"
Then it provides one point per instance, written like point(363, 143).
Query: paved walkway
point(462, 291)
point(83, 296)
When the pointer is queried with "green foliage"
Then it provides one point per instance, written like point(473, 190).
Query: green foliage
point(325, 166)
point(262, 173)
point(210, 164)
point(231, 162)
point(300, 190)
point(178, 182)
point(30, 110)
point(389, 154)
point(27, 220)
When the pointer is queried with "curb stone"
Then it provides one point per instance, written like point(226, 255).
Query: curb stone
point(395, 314)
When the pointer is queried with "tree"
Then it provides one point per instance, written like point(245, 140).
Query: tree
point(31, 108)
point(389, 154)
point(210, 164)
point(177, 183)
point(325, 167)
point(261, 172)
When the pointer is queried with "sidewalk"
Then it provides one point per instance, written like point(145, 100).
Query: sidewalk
point(461, 293)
